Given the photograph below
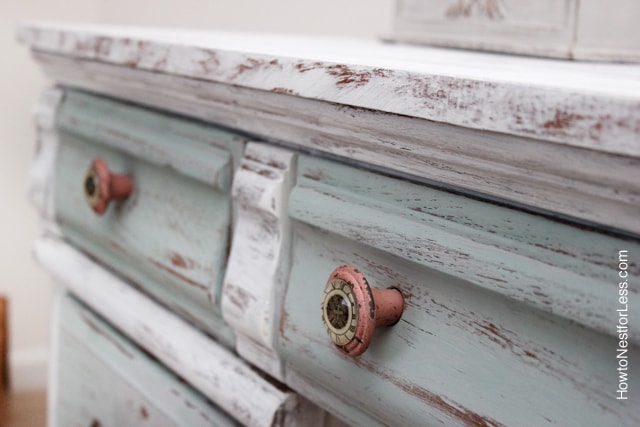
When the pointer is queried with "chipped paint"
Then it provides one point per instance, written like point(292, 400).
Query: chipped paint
point(182, 262)
point(179, 276)
point(238, 296)
point(284, 90)
point(98, 330)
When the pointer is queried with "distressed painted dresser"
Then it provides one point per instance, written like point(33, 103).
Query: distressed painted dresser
point(229, 217)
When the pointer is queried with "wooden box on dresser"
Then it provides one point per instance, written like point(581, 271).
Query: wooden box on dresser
point(594, 30)
point(283, 195)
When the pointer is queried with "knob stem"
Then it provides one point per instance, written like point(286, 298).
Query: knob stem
point(389, 306)
point(101, 186)
point(121, 186)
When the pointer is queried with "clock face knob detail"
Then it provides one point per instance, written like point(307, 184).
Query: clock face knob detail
point(351, 309)
point(101, 186)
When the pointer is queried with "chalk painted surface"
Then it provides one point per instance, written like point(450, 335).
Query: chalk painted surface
point(42, 170)
point(229, 382)
point(509, 317)
point(569, 103)
point(591, 182)
point(104, 380)
point(170, 237)
point(509, 314)
point(258, 265)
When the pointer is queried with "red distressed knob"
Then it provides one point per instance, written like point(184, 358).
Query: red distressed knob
point(101, 186)
point(351, 309)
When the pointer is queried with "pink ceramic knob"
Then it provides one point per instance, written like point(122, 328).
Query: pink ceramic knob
point(351, 309)
point(101, 186)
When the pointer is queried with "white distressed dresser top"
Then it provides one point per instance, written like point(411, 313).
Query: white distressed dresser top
point(589, 105)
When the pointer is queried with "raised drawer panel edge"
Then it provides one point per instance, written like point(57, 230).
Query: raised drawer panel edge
point(171, 236)
point(105, 380)
point(191, 148)
point(491, 321)
point(228, 381)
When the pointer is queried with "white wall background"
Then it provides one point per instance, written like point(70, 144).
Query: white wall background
point(26, 286)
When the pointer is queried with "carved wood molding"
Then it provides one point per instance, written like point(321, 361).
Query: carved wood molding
point(490, 9)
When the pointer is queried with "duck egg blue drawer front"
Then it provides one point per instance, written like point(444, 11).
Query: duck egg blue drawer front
point(509, 317)
point(170, 236)
point(104, 380)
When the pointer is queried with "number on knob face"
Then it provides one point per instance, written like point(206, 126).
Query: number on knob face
point(340, 311)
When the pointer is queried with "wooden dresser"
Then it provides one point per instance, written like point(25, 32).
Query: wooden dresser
point(227, 217)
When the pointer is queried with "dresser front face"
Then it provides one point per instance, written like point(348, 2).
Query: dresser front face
point(170, 237)
point(507, 314)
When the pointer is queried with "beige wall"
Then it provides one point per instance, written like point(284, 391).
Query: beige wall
point(21, 279)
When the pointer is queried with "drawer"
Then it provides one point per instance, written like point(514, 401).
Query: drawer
point(170, 236)
point(103, 380)
point(509, 317)
point(234, 386)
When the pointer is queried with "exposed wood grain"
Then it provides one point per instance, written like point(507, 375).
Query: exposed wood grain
point(496, 301)
point(460, 353)
point(228, 381)
point(598, 106)
point(258, 265)
point(560, 269)
point(578, 183)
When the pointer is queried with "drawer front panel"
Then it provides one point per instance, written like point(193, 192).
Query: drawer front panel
point(104, 380)
point(508, 316)
point(170, 236)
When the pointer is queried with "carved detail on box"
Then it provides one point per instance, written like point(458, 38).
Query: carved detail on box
point(446, 18)
point(481, 9)
point(577, 29)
